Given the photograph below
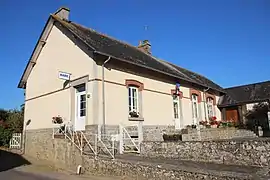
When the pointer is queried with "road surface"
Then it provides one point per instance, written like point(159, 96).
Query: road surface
point(37, 172)
point(14, 174)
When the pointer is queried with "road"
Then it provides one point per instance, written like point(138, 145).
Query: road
point(21, 174)
point(16, 167)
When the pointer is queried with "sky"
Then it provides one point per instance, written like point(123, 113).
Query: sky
point(227, 41)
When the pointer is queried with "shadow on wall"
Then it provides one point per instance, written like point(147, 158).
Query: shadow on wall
point(258, 117)
point(9, 160)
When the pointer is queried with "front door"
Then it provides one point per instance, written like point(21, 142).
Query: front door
point(80, 109)
point(232, 115)
point(176, 109)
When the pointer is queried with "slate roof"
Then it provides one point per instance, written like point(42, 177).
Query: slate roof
point(107, 45)
point(250, 93)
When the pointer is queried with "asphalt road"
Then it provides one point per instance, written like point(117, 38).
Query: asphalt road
point(20, 174)
point(17, 175)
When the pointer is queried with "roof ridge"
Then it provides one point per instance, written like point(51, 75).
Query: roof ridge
point(108, 36)
point(125, 43)
point(171, 68)
point(239, 86)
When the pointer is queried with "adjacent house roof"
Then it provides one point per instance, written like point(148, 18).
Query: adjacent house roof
point(103, 44)
point(250, 93)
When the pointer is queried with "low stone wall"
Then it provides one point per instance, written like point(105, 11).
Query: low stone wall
point(62, 154)
point(209, 134)
point(155, 133)
point(255, 152)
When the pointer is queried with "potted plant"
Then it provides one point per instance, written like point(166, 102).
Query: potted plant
point(189, 126)
point(57, 120)
point(202, 124)
point(134, 114)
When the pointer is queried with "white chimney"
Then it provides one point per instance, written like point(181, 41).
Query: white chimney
point(63, 13)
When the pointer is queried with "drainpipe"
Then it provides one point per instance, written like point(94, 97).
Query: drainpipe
point(204, 91)
point(103, 95)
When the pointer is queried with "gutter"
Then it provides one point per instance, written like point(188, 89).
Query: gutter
point(103, 96)
point(204, 104)
point(168, 74)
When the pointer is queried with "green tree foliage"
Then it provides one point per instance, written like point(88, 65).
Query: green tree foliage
point(3, 114)
point(11, 121)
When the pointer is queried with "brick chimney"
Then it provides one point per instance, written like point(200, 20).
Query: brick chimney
point(63, 13)
point(145, 46)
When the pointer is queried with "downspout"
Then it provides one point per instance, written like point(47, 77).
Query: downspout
point(103, 95)
point(204, 104)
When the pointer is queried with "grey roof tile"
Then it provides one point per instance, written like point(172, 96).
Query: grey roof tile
point(246, 94)
point(108, 45)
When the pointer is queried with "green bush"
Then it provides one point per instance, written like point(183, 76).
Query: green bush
point(172, 137)
point(11, 121)
point(5, 136)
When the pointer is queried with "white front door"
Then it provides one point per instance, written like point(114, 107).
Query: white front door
point(80, 111)
point(195, 108)
point(176, 111)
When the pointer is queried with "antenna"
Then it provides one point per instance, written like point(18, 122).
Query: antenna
point(146, 28)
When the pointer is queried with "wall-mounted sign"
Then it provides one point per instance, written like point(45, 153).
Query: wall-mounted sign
point(64, 75)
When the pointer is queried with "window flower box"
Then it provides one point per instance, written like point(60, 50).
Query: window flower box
point(133, 114)
point(57, 120)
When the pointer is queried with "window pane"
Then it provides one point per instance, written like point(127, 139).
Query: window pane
point(129, 92)
point(194, 97)
point(129, 103)
point(194, 110)
point(83, 97)
point(82, 105)
point(82, 112)
point(175, 109)
point(80, 88)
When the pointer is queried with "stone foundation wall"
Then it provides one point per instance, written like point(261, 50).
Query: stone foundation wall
point(209, 134)
point(62, 154)
point(242, 152)
point(155, 133)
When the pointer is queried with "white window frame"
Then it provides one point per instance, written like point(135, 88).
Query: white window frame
point(210, 106)
point(131, 106)
point(194, 100)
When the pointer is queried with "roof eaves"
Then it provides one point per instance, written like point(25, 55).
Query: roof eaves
point(162, 72)
point(60, 21)
point(32, 60)
point(242, 103)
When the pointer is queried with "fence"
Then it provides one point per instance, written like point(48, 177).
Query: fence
point(16, 141)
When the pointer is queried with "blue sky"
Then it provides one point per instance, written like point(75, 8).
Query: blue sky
point(228, 41)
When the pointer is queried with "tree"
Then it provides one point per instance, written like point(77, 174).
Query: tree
point(10, 122)
point(3, 115)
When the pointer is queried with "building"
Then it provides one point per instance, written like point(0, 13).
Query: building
point(96, 81)
point(239, 102)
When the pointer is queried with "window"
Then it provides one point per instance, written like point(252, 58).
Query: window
point(194, 100)
point(81, 100)
point(133, 99)
point(210, 107)
point(176, 106)
point(82, 105)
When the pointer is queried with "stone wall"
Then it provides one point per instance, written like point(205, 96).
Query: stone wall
point(62, 154)
point(209, 134)
point(242, 152)
point(155, 133)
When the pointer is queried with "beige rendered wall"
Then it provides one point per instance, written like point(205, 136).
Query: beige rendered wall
point(157, 105)
point(45, 96)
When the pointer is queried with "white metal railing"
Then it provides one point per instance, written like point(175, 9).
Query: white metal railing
point(128, 142)
point(81, 139)
point(15, 141)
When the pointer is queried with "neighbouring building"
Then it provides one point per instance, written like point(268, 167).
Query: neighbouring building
point(239, 102)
